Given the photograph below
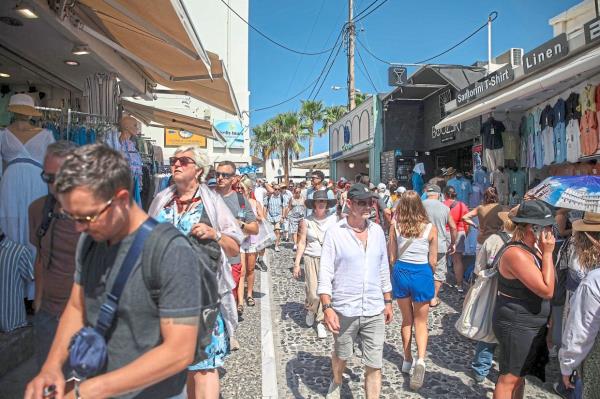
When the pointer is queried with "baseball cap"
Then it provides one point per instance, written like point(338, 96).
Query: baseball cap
point(433, 188)
point(381, 186)
point(401, 190)
point(359, 191)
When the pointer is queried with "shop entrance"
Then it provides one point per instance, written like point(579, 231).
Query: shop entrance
point(459, 156)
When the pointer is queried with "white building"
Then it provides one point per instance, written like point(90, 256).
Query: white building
point(223, 33)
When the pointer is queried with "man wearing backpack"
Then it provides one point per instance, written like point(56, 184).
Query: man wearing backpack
point(276, 206)
point(55, 239)
point(242, 211)
point(148, 345)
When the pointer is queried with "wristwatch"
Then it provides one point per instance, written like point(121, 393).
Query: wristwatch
point(386, 301)
point(218, 236)
point(327, 306)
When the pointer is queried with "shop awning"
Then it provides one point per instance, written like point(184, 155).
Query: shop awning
point(159, 36)
point(166, 119)
point(522, 94)
point(317, 161)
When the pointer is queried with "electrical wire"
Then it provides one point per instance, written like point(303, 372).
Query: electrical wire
point(360, 18)
point(272, 40)
point(366, 70)
point(337, 40)
point(493, 15)
point(289, 99)
point(329, 70)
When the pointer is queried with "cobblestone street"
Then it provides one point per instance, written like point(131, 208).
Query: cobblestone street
point(304, 361)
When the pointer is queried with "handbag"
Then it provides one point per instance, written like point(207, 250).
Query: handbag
point(88, 352)
point(475, 321)
point(265, 237)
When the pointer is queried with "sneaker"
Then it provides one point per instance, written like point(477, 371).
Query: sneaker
point(277, 249)
point(310, 319)
point(234, 344)
point(295, 247)
point(418, 375)
point(407, 366)
point(477, 377)
point(561, 390)
point(321, 331)
point(460, 289)
point(334, 391)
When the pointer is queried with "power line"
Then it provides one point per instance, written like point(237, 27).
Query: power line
point(272, 40)
point(370, 12)
point(366, 71)
point(493, 15)
point(329, 57)
point(365, 9)
point(329, 70)
point(289, 99)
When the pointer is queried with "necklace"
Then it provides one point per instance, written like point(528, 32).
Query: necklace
point(359, 230)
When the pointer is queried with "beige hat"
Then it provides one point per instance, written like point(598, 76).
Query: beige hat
point(23, 104)
point(590, 222)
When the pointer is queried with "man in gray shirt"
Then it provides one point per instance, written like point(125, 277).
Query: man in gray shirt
point(439, 215)
point(149, 345)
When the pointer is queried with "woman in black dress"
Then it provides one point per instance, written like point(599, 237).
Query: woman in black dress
point(525, 286)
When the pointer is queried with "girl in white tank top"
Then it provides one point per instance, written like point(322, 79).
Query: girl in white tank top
point(418, 250)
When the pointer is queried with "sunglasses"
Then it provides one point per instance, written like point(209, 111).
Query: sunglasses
point(88, 219)
point(183, 161)
point(224, 175)
point(363, 203)
point(48, 178)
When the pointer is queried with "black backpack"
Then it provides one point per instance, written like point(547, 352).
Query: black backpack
point(209, 259)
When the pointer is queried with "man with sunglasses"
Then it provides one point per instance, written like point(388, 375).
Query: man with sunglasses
point(149, 345)
point(55, 239)
point(317, 179)
point(355, 290)
point(276, 207)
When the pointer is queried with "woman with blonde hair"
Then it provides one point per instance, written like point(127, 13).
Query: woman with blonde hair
point(248, 249)
point(412, 251)
point(201, 214)
point(580, 343)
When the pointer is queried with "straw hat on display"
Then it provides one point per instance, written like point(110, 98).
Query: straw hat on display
point(590, 222)
point(23, 104)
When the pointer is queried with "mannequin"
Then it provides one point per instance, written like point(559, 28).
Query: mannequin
point(129, 129)
point(417, 177)
point(22, 151)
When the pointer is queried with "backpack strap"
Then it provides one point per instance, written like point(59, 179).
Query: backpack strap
point(452, 205)
point(241, 201)
point(152, 257)
point(47, 216)
point(504, 236)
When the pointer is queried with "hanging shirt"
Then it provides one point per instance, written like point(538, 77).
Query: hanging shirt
point(547, 125)
point(572, 108)
point(531, 140)
point(587, 99)
point(588, 127)
point(560, 132)
point(517, 182)
point(500, 181)
point(16, 270)
point(573, 144)
point(481, 178)
point(511, 145)
point(523, 153)
point(491, 130)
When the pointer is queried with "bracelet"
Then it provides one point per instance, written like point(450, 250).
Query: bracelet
point(327, 306)
point(386, 301)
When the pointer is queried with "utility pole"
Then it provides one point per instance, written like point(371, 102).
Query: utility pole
point(351, 33)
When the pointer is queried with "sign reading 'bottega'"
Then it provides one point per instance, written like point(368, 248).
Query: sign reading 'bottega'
point(489, 84)
point(546, 54)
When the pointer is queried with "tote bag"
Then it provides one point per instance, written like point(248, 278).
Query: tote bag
point(265, 237)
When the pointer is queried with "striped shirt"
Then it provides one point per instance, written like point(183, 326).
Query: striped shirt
point(16, 270)
point(275, 205)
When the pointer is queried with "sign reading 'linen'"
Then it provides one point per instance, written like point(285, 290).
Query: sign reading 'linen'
point(546, 54)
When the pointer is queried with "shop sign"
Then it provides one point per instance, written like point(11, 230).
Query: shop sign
point(347, 135)
point(397, 76)
point(446, 134)
point(175, 138)
point(591, 30)
point(546, 54)
point(347, 147)
point(488, 85)
point(232, 131)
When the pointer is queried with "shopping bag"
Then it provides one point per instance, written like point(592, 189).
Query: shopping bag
point(265, 236)
point(475, 321)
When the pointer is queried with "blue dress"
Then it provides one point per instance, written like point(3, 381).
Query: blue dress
point(218, 349)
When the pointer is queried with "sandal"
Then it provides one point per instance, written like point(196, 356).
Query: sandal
point(436, 303)
point(240, 309)
point(250, 301)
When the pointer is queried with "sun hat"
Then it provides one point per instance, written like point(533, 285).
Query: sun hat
point(449, 172)
point(320, 195)
point(590, 222)
point(359, 191)
point(401, 190)
point(505, 215)
point(23, 104)
point(534, 212)
point(381, 187)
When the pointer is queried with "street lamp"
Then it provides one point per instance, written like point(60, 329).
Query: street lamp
point(336, 88)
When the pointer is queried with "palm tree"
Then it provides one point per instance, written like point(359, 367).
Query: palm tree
point(287, 132)
point(360, 98)
point(311, 112)
point(263, 142)
point(332, 115)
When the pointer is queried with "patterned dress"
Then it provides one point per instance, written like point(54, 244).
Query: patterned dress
point(296, 214)
point(218, 349)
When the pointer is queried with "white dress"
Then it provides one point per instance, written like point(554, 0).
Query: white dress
point(21, 183)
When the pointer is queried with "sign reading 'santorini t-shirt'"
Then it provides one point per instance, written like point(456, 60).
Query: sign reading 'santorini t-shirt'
point(491, 83)
point(546, 54)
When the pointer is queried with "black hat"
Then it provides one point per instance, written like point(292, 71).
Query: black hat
point(320, 195)
point(534, 212)
point(359, 191)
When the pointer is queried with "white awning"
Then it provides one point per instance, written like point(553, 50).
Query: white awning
point(317, 161)
point(547, 84)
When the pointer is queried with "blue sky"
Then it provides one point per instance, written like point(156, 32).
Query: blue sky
point(399, 31)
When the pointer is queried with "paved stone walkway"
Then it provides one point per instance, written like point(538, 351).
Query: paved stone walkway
point(304, 361)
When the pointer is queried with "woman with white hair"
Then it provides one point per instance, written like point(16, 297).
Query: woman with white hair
point(199, 212)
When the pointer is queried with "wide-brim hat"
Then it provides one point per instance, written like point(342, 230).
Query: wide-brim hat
point(505, 215)
point(590, 222)
point(534, 212)
point(23, 104)
point(320, 195)
point(449, 172)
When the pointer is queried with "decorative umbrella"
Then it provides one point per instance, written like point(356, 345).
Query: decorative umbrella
point(572, 192)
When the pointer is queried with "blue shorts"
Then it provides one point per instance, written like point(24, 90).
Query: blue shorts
point(412, 280)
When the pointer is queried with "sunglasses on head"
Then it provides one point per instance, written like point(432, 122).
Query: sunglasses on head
point(48, 178)
point(224, 175)
point(183, 161)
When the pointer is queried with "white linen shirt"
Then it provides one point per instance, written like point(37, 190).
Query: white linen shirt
point(356, 278)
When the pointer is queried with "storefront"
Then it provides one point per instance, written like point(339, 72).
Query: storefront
point(546, 114)
point(355, 140)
